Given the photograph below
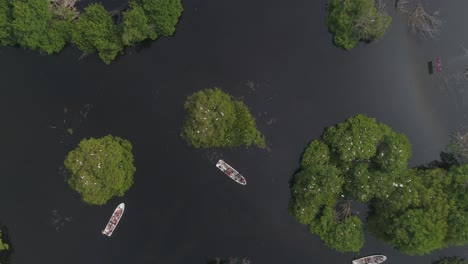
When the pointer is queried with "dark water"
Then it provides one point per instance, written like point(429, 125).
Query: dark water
point(278, 57)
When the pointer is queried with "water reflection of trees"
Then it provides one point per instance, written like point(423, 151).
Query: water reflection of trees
point(454, 78)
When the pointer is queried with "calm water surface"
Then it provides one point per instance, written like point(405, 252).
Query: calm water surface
point(275, 55)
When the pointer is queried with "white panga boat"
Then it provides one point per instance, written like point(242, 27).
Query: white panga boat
point(114, 220)
point(231, 172)
point(374, 259)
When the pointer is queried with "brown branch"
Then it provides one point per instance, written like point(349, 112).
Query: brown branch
point(427, 26)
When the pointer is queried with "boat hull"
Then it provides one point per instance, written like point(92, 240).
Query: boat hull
point(231, 172)
point(374, 259)
point(114, 220)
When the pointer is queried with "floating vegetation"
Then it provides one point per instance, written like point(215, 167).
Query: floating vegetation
point(58, 221)
point(69, 125)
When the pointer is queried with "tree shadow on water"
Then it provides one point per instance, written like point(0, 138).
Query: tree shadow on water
point(5, 255)
point(446, 161)
point(229, 261)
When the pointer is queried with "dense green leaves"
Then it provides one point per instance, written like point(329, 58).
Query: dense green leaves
point(49, 26)
point(33, 26)
point(353, 140)
point(450, 260)
point(359, 159)
point(415, 214)
point(343, 236)
point(312, 188)
point(317, 153)
point(101, 168)
point(95, 32)
point(5, 23)
point(214, 119)
point(163, 15)
point(3, 246)
point(352, 21)
point(136, 27)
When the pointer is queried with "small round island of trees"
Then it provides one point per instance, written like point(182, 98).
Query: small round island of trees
point(215, 119)
point(415, 210)
point(100, 169)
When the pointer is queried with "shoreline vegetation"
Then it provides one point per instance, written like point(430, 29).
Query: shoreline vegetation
point(415, 210)
point(50, 26)
point(354, 21)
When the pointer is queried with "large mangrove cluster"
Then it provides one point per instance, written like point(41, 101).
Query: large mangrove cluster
point(360, 160)
point(49, 25)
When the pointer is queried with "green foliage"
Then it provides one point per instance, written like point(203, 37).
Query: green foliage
point(3, 246)
point(458, 219)
point(414, 217)
point(100, 168)
point(371, 156)
point(243, 130)
point(457, 233)
point(353, 140)
point(459, 185)
point(95, 32)
point(361, 160)
point(5, 23)
point(214, 119)
point(163, 15)
point(418, 231)
point(317, 153)
point(136, 26)
point(346, 236)
point(450, 260)
point(33, 26)
point(352, 21)
point(312, 188)
point(394, 151)
point(414, 210)
point(49, 26)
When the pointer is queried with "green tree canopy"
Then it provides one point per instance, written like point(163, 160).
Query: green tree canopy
point(163, 15)
point(33, 26)
point(352, 21)
point(49, 25)
point(450, 260)
point(214, 119)
point(358, 159)
point(95, 32)
point(342, 234)
point(100, 168)
point(3, 246)
point(458, 218)
point(5, 23)
point(317, 153)
point(370, 155)
point(414, 217)
point(312, 188)
point(136, 26)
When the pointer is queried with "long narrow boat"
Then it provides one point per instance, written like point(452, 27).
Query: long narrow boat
point(374, 259)
point(114, 220)
point(231, 172)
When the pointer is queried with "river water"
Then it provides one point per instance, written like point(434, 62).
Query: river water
point(275, 55)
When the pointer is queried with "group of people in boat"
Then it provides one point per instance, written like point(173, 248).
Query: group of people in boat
point(372, 260)
point(114, 220)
